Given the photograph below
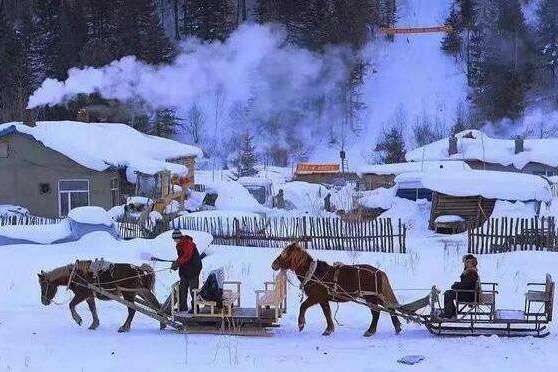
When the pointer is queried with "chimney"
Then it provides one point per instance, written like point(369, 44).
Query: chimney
point(83, 115)
point(518, 145)
point(452, 146)
point(29, 118)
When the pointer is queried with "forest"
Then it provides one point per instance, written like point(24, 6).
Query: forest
point(509, 57)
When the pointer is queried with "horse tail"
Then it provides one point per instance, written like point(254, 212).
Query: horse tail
point(389, 296)
point(148, 276)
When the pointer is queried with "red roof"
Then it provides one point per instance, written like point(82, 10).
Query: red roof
point(311, 168)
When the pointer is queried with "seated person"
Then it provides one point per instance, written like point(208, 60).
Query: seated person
point(468, 281)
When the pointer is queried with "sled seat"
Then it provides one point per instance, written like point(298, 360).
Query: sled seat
point(543, 298)
point(273, 297)
point(231, 298)
point(484, 304)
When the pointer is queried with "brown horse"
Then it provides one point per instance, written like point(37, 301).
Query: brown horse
point(339, 283)
point(119, 278)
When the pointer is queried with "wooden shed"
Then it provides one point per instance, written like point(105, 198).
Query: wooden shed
point(323, 173)
point(470, 196)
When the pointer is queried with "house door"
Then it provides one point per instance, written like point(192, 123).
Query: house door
point(72, 194)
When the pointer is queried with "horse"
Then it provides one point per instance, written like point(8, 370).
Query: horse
point(122, 279)
point(340, 283)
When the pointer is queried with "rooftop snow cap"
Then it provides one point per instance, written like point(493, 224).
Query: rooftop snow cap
point(99, 146)
point(475, 145)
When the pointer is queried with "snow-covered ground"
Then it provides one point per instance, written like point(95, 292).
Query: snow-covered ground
point(38, 338)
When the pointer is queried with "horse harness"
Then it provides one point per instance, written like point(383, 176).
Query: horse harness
point(335, 292)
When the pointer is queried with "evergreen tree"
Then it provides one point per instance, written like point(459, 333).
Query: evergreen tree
point(60, 32)
point(15, 86)
point(452, 41)
point(547, 34)
point(246, 159)
point(208, 20)
point(138, 32)
point(101, 47)
point(391, 147)
point(164, 123)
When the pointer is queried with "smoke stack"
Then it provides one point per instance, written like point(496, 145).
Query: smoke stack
point(519, 145)
point(83, 115)
point(29, 118)
point(452, 146)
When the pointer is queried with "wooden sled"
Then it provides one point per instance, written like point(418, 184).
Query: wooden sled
point(481, 317)
point(231, 318)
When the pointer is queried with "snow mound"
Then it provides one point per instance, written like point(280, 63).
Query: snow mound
point(8, 210)
point(378, 198)
point(233, 196)
point(304, 196)
point(91, 216)
point(518, 209)
point(99, 146)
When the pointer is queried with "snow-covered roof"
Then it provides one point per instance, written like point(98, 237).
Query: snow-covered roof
point(475, 145)
point(99, 146)
point(254, 181)
point(312, 168)
point(488, 184)
point(426, 166)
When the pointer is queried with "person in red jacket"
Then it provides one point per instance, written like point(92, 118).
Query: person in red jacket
point(189, 266)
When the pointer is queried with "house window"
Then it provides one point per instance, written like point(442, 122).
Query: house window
point(44, 188)
point(114, 192)
point(72, 194)
point(4, 150)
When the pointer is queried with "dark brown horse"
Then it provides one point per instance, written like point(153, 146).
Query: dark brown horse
point(323, 283)
point(118, 278)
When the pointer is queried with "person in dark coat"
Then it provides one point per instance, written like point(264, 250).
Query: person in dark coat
point(468, 281)
point(189, 265)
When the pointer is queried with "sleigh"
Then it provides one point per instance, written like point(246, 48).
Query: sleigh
point(482, 317)
point(229, 317)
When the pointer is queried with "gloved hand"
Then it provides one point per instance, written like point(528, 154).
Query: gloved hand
point(174, 265)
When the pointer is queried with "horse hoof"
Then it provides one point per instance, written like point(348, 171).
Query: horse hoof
point(369, 333)
point(398, 330)
point(123, 329)
point(327, 332)
point(300, 327)
point(162, 326)
point(93, 326)
point(78, 321)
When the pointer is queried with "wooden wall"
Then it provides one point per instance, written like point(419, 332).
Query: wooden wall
point(473, 209)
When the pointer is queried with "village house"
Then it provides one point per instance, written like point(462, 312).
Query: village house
point(54, 167)
point(323, 173)
point(533, 156)
point(383, 175)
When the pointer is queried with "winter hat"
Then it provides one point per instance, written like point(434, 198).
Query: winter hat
point(468, 257)
point(176, 234)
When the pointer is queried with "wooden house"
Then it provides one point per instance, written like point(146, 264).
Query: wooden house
point(383, 175)
point(54, 167)
point(532, 156)
point(323, 173)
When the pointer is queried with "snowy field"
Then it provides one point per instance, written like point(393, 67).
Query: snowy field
point(38, 338)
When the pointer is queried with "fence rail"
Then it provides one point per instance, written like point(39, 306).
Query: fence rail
point(506, 234)
point(378, 235)
point(27, 220)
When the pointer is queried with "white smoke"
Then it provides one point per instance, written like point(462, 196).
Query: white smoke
point(254, 67)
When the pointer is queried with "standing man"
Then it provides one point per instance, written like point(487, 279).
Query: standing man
point(189, 266)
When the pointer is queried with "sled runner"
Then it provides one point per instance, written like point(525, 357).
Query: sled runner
point(481, 317)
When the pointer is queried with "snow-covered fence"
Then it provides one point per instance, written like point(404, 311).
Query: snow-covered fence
point(27, 220)
point(378, 235)
point(131, 227)
point(506, 234)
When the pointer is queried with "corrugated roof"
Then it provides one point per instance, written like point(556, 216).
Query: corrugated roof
point(312, 168)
